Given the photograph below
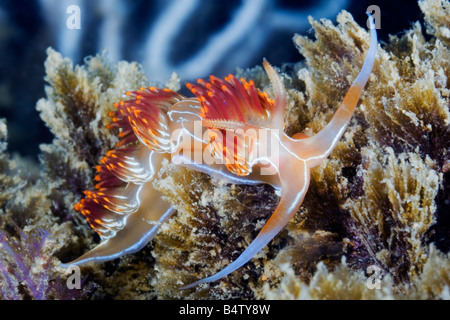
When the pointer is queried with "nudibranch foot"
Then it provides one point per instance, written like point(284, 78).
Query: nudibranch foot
point(138, 232)
point(138, 228)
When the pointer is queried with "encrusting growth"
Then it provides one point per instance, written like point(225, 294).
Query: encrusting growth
point(380, 199)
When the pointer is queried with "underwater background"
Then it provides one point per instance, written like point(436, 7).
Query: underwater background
point(164, 36)
point(381, 199)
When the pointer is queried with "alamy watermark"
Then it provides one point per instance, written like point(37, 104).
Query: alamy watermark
point(73, 21)
point(239, 147)
point(74, 280)
point(375, 275)
point(375, 11)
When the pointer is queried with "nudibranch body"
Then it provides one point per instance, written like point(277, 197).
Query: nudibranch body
point(231, 131)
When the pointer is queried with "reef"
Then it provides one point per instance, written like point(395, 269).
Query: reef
point(376, 213)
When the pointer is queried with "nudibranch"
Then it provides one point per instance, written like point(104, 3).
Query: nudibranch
point(230, 121)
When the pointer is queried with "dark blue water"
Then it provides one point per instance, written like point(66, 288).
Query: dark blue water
point(27, 29)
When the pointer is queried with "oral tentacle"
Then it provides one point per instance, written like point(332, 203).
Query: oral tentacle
point(317, 148)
